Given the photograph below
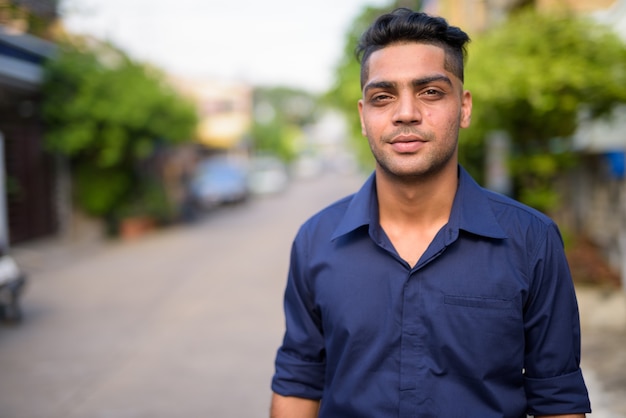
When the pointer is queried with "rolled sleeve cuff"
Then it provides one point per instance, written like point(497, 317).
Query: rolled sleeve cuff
point(565, 394)
point(298, 378)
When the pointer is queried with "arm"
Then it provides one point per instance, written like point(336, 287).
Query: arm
point(298, 382)
point(292, 407)
point(553, 380)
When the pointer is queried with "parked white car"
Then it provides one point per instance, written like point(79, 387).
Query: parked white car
point(267, 175)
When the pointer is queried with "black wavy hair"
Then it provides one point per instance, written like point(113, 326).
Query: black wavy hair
point(405, 26)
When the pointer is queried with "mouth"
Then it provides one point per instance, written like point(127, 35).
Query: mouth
point(405, 144)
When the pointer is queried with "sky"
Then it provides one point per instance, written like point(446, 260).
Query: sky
point(262, 42)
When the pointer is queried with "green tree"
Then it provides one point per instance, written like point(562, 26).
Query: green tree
point(531, 77)
point(108, 115)
point(281, 114)
point(346, 90)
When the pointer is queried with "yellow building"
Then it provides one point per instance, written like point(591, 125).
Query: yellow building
point(225, 110)
point(477, 15)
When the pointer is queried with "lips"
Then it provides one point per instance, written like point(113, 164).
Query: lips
point(407, 144)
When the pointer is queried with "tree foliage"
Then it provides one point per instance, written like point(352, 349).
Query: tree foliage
point(281, 114)
point(531, 77)
point(108, 115)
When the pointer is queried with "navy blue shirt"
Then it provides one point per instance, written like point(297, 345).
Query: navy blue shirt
point(484, 325)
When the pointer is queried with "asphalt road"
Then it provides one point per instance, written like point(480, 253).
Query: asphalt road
point(184, 322)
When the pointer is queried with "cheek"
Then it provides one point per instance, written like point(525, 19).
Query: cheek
point(369, 123)
point(428, 114)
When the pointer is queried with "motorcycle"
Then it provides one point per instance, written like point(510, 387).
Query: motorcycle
point(12, 283)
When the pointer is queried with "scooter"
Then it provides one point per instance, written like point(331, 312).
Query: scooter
point(12, 283)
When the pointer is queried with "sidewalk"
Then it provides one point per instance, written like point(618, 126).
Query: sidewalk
point(603, 321)
point(54, 253)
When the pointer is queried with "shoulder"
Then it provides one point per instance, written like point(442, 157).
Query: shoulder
point(506, 206)
point(324, 222)
point(520, 220)
point(485, 212)
point(344, 216)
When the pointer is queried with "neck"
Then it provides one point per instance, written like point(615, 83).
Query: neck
point(411, 212)
point(416, 201)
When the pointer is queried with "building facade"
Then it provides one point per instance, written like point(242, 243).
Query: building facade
point(476, 16)
point(30, 209)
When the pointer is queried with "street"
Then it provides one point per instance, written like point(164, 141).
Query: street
point(184, 322)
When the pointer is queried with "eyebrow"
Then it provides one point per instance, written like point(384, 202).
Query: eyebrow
point(419, 82)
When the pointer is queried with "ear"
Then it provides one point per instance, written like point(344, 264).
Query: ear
point(363, 130)
point(466, 109)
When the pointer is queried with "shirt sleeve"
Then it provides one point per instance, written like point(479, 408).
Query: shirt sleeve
point(301, 360)
point(553, 380)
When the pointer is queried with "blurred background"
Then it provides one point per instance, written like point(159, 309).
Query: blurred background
point(157, 157)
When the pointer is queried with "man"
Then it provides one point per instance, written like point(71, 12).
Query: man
point(424, 295)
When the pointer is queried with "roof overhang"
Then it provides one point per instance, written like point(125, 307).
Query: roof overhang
point(21, 59)
point(602, 135)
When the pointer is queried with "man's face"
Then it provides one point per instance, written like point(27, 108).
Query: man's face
point(412, 110)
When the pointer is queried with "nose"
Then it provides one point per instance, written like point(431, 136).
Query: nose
point(407, 111)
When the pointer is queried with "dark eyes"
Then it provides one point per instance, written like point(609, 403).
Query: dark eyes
point(379, 98)
point(429, 94)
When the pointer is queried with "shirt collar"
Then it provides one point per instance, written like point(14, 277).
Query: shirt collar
point(362, 210)
point(471, 210)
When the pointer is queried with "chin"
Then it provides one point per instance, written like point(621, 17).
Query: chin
point(412, 172)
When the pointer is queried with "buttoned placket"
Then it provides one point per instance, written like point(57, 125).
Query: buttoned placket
point(414, 396)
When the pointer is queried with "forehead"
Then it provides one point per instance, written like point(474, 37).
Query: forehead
point(406, 60)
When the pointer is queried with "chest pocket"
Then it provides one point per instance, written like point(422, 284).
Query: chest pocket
point(483, 337)
point(480, 305)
